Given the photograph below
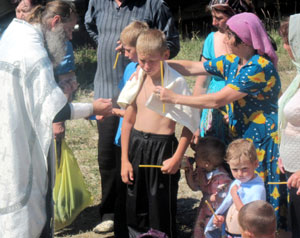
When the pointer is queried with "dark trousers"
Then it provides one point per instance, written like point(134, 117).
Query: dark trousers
point(120, 224)
point(294, 211)
point(151, 200)
point(107, 166)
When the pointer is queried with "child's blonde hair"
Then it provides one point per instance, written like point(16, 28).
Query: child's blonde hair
point(211, 149)
point(151, 40)
point(131, 32)
point(242, 150)
point(258, 217)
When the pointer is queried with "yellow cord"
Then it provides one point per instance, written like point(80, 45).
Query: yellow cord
point(149, 166)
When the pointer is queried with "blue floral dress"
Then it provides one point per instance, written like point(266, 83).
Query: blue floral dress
point(255, 117)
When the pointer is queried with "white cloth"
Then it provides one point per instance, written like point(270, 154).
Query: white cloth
point(290, 140)
point(81, 110)
point(29, 100)
point(184, 115)
point(288, 113)
point(250, 191)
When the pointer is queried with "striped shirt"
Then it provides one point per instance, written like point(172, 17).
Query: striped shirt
point(105, 20)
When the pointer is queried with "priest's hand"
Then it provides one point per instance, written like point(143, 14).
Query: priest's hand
point(102, 106)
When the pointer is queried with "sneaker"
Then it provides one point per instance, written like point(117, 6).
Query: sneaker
point(104, 227)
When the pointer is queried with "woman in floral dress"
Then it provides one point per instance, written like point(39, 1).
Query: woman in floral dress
point(251, 95)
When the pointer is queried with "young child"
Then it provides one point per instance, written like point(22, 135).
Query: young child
point(128, 40)
point(148, 139)
point(247, 187)
point(210, 177)
point(257, 220)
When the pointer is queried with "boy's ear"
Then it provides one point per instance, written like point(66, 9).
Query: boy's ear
point(166, 54)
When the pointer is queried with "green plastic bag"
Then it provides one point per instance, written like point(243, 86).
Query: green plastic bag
point(70, 193)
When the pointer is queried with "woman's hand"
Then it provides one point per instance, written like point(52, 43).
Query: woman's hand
point(294, 181)
point(166, 95)
point(280, 165)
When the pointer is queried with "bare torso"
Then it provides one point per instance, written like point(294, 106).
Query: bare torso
point(146, 119)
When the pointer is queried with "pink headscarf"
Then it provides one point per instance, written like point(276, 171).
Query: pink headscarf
point(249, 28)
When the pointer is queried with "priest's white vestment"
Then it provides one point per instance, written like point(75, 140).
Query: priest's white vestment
point(29, 101)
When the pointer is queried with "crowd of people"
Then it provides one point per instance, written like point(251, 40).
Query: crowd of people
point(244, 133)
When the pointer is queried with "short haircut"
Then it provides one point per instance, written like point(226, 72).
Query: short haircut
point(211, 149)
point(131, 32)
point(242, 150)
point(257, 217)
point(151, 41)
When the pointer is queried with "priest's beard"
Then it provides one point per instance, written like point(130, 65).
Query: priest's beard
point(56, 44)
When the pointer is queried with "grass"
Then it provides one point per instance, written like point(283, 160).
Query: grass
point(82, 136)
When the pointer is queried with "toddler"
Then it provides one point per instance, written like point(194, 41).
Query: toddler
point(209, 176)
point(247, 187)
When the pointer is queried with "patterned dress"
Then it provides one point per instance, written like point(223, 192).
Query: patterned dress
point(254, 117)
point(215, 182)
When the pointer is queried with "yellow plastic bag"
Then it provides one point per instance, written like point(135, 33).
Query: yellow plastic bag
point(70, 193)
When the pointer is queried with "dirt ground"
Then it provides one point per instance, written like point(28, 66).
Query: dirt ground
point(187, 202)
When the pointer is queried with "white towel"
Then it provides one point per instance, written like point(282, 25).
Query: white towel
point(184, 115)
point(130, 90)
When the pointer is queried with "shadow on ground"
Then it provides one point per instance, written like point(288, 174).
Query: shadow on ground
point(88, 219)
point(85, 222)
point(186, 215)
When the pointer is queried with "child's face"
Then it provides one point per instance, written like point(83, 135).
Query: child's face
point(130, 53)
point(150, 63)
point(243, 170)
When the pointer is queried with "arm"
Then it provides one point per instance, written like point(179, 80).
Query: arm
point(235, 197)
point(200, 87)
point(171, 165)
point(212, 100)
point(128, 123)
point(195, 178)
point(187, 67)
point(189, 172)
point(90, 21)
point(165, 22)
point(71, 111)
point(118, 112)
